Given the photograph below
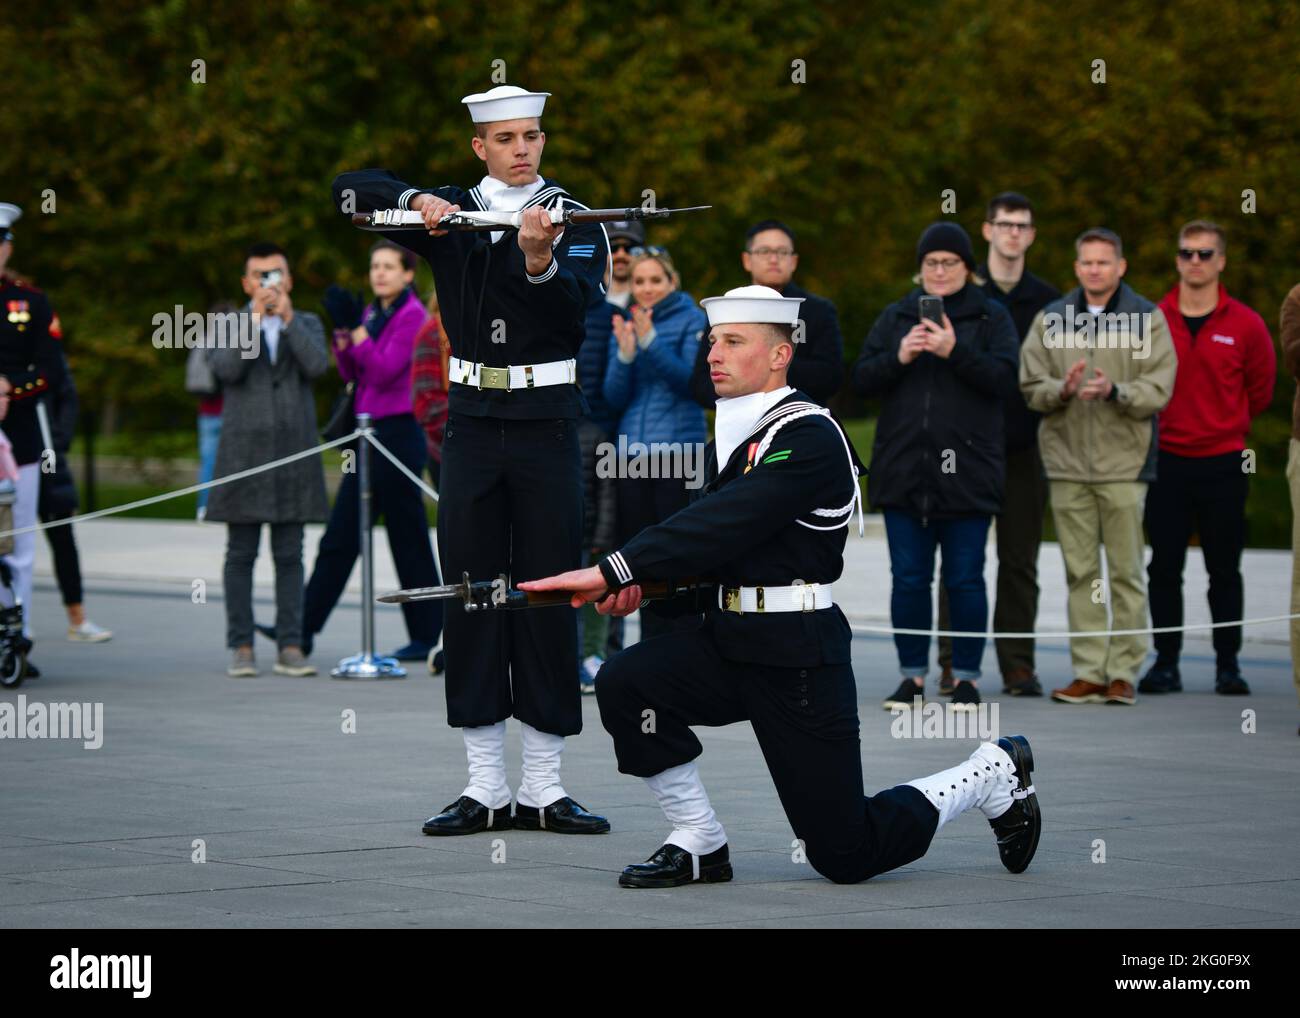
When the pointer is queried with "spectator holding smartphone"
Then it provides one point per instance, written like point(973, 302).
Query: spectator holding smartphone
point(939, 459)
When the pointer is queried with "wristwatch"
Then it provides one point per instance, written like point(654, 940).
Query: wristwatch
point(1114, 393)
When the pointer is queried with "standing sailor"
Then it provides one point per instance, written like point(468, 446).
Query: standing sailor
point(513, 306)
point(773, 648)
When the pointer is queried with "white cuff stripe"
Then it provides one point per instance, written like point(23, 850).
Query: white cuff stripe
point(554, 268)
point(407, 195)
point(621, 570)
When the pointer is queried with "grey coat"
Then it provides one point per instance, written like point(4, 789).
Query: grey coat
point(268, 412)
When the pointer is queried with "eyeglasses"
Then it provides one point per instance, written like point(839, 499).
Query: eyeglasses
point(771, 252)
point(1204, 253)
point(1009, 227)
point(935, 264)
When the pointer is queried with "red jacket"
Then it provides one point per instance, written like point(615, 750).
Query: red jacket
point(1225, 378)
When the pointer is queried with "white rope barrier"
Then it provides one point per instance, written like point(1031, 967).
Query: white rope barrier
point(431, 493)
point(155, 499)
point(1070, 634)
point(402, 467)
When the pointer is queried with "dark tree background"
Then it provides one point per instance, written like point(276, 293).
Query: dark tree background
point(161, 181)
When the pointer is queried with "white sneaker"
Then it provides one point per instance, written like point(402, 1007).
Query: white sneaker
point(88, 632)
point(590, 666)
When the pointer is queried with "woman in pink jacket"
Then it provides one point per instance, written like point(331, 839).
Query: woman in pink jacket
point(373, 347)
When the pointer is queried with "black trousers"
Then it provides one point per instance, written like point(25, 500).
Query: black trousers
point(1205, 496)
point(511, 503)
point(806, 720)
point(400, 505)
point(67, 563)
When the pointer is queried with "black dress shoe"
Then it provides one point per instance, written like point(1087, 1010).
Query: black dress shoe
point(675, 867)
point(468, 816)
point(1018, 828)
point(563, 816)
point(32, 671)
point(1161, 679)
point(1228, 682)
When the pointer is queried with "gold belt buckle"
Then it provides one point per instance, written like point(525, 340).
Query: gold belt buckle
point(528, 376)
point(731, 600)
point(759, 597)
point(493, 378)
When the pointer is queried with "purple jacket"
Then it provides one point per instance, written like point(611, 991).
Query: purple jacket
point(382, 367)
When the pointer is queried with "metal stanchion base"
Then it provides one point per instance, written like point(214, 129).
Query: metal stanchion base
point(367, 666)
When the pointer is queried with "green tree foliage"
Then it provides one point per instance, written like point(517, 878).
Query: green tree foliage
point(847, 121)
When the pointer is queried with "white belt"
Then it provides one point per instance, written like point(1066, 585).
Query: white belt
point(798, 597)
point(516, 376)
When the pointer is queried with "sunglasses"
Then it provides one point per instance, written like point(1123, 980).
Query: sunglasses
point(653, 250)
point(1205, 253)
point(620, 245)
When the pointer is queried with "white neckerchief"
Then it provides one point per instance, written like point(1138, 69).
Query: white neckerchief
point(737, 417)
point(500, 197)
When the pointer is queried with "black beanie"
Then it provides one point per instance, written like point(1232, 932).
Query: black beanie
point(945, 236)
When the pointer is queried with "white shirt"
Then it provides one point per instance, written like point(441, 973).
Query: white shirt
point(271, 326)
point(737, 417)
point(500, 197)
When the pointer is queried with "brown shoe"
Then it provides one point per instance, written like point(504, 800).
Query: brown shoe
point(1021, 682)
point(947, 683)
point(1080, 691)
point(1120, 691)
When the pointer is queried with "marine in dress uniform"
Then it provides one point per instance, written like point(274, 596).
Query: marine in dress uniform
point(773, 647)
point(511, 486)
point(30, 366)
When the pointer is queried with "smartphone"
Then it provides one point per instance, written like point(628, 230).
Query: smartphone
point(932, 308)
point(272, 277)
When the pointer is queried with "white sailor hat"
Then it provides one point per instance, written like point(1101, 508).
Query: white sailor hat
point(505, 102)
point(9, 214)
point(752, 304)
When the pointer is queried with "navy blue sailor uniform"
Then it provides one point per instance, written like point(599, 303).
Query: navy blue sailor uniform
point(511, 491)
point(775, 515)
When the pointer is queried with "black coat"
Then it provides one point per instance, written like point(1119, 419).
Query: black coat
point(939, 450)
point(268, 412)
point(1026, 299)
point(818, 365)
point(744, 529)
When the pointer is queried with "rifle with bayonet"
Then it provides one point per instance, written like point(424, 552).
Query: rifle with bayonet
point(485, 595)
point(475, 221)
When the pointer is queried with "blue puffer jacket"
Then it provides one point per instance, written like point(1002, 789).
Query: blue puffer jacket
point(652, 395)
point(593, 358)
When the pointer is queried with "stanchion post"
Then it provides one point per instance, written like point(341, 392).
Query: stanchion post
point(366, 665)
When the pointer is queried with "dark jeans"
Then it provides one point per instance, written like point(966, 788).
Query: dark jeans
point(1019, 529)
point(642, 502)
point(242, 540)
point(400, 505)
point(1205, 496)
point(911, 557)
point(806, 721)
point(67, 564)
